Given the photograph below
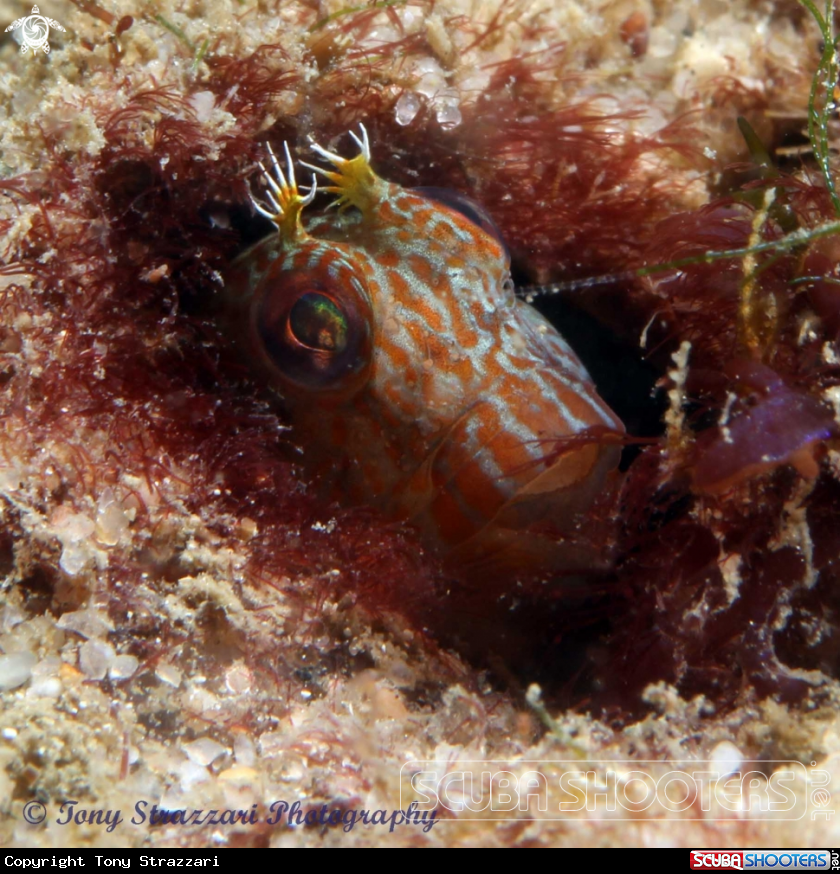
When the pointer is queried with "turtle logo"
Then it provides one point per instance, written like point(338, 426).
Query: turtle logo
point(34, 31)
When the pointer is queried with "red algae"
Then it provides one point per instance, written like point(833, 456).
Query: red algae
point(714, 572)
point(777, 426)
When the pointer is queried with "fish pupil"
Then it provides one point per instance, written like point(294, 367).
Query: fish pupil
point(316, 321)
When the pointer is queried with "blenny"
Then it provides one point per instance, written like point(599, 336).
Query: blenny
point(416, 381)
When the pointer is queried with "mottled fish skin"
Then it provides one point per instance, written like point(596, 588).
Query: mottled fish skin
point(458, 407)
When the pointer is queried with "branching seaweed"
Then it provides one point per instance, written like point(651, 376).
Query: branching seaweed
point(822, 100)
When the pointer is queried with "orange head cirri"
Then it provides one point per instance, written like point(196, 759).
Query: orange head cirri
point(415, 379)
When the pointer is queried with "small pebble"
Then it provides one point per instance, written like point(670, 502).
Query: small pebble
point(95, 657)
point(168, 674)
point(727, 758)
point(123, 667)
point(204, 751)
point(15, 669)
point(87, 623)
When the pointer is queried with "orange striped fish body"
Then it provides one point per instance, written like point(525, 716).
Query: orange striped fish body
point(415, 379)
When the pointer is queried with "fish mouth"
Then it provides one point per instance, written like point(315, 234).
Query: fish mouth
point(474, 499)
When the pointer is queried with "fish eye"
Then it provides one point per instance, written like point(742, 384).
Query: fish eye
point(317, 321)
point(465, 206)
point(314, 333)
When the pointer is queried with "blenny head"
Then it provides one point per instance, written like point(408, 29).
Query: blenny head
point(416, 380)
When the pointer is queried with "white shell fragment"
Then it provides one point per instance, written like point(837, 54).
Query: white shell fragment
point(15, 669)
point(87, 623)
point(168, 674)
point(123, 667)
point(95, 658)
point(204, 751)
point(727, 758)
